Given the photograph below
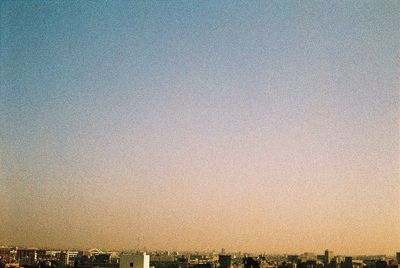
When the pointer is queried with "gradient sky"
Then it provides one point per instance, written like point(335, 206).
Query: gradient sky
point(255, 126)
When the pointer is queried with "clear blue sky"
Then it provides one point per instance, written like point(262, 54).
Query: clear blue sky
point(166, 123)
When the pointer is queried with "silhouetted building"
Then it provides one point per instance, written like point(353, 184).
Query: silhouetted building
point(250, 262)
point(311, 264)
point(82, 261)
point(293, 258)
point(348, 262)
point(328, 256)
point(335, 263)
point(393, 264)
point(225, 261)
point(381, 264)
point(102, 258)
point(307, 256)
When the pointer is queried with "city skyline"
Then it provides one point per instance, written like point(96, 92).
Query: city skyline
point(222, 251)
point(95, 258)
point(267, 126)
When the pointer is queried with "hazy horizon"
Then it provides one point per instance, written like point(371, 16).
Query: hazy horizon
point(198, 250)
point(255, 126)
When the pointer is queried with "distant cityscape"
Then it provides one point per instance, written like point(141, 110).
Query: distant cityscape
point(16, 257)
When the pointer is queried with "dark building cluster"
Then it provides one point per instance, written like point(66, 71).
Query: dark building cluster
point(14, 257)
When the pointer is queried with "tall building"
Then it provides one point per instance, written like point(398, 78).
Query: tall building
point(225, 261)
point(135, 260)
point(328, 256)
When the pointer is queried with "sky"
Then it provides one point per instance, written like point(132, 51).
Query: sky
point(266, 126)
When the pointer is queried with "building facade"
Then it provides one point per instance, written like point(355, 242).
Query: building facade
point(134, 260)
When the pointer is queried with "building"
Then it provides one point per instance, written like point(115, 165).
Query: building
point(336, 262)
point(307, 256)
point(102, 258)
point(67, 258)
point(63, 261)
point(30, 253)
point(293, 258)
point(5, 253)
point(321, 258)
point(135, 260)
point(328, 256)
point(381, 264)
point(311, 264)
point(348, 262)
point(41, 254)
point(27, 257)
point(250, 262)
point(225, 261)
point(398, 257)
point(28, 260)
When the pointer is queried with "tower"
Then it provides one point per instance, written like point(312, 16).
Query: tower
point(328, 256)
